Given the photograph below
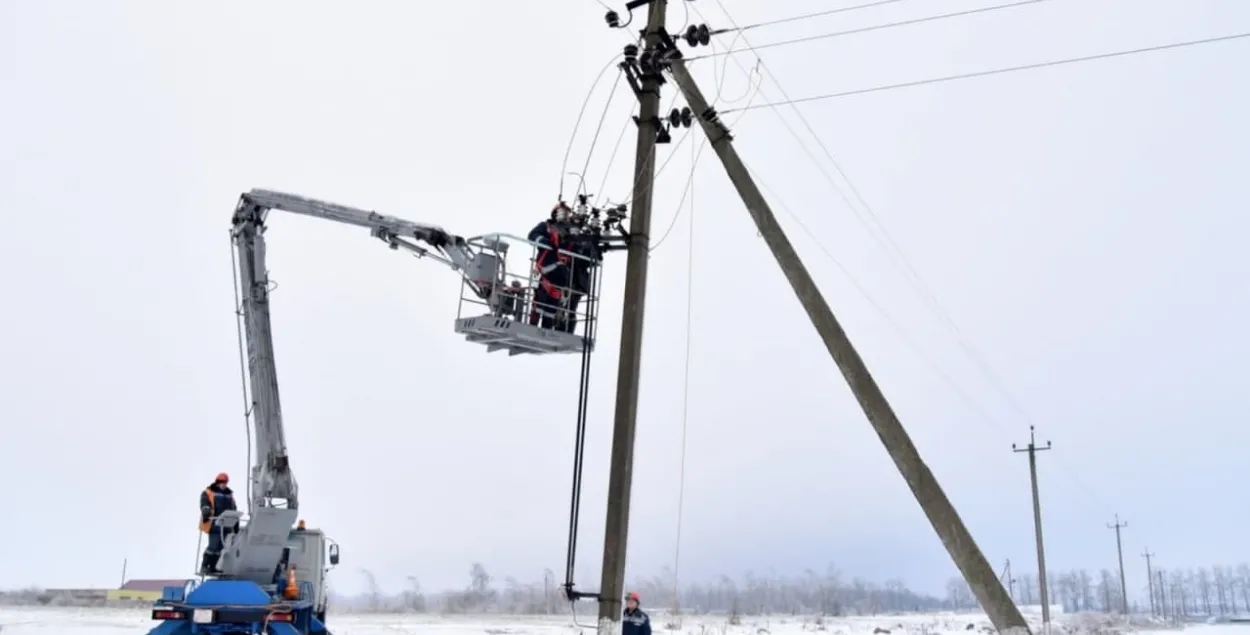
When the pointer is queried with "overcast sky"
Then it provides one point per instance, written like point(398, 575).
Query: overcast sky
point(1082, 228)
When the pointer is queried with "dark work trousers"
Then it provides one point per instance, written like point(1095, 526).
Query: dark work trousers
point(550, 297)
point(216, 543)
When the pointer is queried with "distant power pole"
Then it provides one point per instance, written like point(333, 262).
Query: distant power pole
point(1032, 449)
point(1150, 579)
point(1163, 598)
point(1119, 547)
point(1009, 580)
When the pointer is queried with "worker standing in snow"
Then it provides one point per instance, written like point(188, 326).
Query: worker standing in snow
point(634, 621)
point(215, 499)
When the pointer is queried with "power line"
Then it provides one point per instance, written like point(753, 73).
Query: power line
point(895, 253)
point(877, 27)
point(607, 170)
point(568, 150)
point(594, 141)
point(998, 71)
point(943, 517)
point(808, 16)
point(685, 388)
point(868, 217)
point(689, 188)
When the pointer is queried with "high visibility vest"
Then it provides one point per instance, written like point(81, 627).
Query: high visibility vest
point(207, 525)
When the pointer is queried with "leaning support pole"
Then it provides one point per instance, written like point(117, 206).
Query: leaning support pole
point(621, 475)
point(981, 577)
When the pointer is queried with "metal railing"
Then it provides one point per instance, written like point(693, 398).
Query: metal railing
point(515, 295)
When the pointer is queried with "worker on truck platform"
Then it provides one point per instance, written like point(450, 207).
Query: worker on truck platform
point(634, 621)
point(551, 296)
point(215, 499)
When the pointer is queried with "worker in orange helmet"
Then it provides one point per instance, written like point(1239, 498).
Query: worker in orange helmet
point(634, 621)
point(215, 499)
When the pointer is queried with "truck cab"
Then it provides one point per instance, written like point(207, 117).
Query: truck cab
point(313, 555)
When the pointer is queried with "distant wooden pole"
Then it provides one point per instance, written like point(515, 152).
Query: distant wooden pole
point(1150, 580)
point(123, 582)
point(1119, 549)
point(1032, 449)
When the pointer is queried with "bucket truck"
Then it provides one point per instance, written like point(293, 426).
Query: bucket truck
point(272, 572)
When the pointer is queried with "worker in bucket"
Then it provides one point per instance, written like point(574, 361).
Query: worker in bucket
point(634, 621)
point(551, 296)
point(215, 499)
point(580, 241)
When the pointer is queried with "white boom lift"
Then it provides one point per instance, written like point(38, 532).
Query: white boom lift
point(266, 540)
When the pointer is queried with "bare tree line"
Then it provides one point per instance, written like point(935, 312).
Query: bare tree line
point(1177, 593)
point(1221, 590)
point(825, 593)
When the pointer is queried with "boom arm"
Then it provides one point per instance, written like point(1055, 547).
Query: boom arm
point(272, 479)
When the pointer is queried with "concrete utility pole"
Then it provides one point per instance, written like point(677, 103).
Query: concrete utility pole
point(1119, 548)
point(625, 419)
point(1032, 449)
point(977, 571)
point(1150, 579)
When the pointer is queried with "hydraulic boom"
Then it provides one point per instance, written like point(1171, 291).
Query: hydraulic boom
point(255, 552)
point(273, 482)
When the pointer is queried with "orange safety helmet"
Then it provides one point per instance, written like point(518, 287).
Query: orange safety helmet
point(222, 477)
point(632, 595)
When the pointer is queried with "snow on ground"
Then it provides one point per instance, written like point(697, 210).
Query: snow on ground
point(97, 621)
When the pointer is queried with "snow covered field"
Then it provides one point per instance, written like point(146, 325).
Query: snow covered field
point(61, 621)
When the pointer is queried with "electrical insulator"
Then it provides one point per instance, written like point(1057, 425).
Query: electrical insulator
point(683, 118)
point(691, 36)
point(704, 35)
point(613, 19)
point(699, 35)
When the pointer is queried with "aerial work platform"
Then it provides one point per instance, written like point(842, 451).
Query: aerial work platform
point(508, 311)
point(518, 338)
point(518, 311)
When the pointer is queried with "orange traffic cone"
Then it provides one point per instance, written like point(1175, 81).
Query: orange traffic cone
point(291, 592)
